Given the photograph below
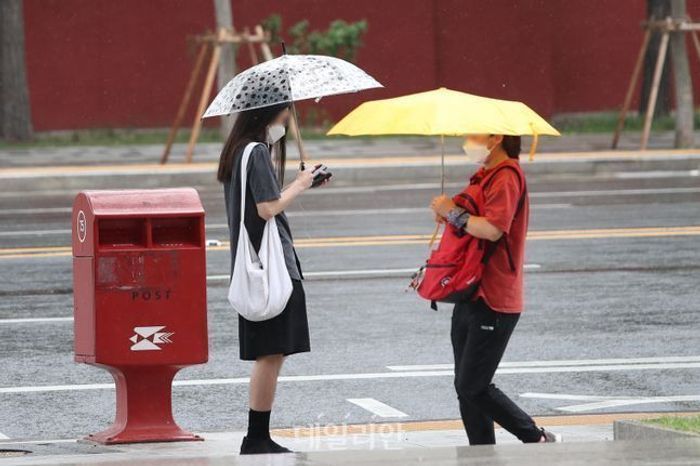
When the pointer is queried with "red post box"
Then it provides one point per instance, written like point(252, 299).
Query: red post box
point(140, 306)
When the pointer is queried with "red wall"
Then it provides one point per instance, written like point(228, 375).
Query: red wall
point(106, 63)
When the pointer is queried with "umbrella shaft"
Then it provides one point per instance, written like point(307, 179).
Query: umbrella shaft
point(442, 164)
point(297, 127)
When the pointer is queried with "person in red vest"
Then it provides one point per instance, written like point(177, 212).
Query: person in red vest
point(483, 324)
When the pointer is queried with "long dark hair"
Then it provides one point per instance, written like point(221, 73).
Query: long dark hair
point(251, 126)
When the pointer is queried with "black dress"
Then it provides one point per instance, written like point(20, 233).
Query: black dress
point(288, 332)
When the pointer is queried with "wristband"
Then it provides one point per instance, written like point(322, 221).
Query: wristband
point(458, 218)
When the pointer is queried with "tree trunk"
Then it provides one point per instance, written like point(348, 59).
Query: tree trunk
point(656, 10)
point(227, 63)
point(682, 81)
point(15, 114)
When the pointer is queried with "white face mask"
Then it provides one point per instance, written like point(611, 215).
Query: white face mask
point(476, 153)
point(275, 133)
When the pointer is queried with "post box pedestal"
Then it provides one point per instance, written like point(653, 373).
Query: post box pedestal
point(144, 409)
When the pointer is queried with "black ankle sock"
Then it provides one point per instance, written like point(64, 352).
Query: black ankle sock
point(258, 424)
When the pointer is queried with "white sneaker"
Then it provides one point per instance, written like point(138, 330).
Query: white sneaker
point(551, 437)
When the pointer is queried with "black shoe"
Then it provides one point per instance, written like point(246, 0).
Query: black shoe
point(254, 446)
point(550, 437)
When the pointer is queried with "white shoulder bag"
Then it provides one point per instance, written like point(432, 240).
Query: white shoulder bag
point(260, 285)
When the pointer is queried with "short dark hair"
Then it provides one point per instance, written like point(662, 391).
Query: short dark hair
point(511, 144)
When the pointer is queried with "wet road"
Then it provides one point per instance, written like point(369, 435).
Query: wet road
point(611, 322)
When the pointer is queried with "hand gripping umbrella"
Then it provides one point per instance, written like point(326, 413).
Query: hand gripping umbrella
point(289, 78)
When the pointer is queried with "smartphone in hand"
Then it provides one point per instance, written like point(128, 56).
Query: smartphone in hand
point(321, 174)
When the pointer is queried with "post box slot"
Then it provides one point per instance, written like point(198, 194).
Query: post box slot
point(121, 232)
point(176, 231)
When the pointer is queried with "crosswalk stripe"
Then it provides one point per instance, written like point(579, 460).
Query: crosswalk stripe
point(370, 376)
point(377, 408)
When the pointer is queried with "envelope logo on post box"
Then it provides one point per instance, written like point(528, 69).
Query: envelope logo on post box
point(148, 338)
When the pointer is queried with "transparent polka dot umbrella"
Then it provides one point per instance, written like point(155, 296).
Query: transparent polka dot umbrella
point(289, 78)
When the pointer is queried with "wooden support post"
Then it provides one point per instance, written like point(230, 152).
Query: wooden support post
point(251, 50)
point(199, 61)
point(669, 27)
point(264, 46)
point(630, 89)
point(215, 42)
point(682, 79)
point(696, 42)
point(206, 92)
point(227, 59)
point(660, 59)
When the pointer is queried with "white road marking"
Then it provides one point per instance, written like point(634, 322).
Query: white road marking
point(561, 363)
point(431, 186)
point(393, 211)
point(615, 192)
point(337, 273)
point(18, 442)
point(350, 273)
point(602, 402)
point(38, 210)
point(367, 376)
point(35, 232)
point(205, 191)
point(628, 402)
point(34, 320)
point(3, 436)
point(657, 174)
point(355, 273)
point(377, 408)
point(351, 212)
point(565, 396)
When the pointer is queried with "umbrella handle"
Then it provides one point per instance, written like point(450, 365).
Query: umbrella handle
point(533, 146)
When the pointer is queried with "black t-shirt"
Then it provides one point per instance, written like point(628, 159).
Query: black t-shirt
point(261, 186)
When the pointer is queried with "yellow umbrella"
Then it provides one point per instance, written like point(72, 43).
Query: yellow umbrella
point(444, 112)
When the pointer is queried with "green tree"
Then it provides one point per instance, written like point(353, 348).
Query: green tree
point(341, 39)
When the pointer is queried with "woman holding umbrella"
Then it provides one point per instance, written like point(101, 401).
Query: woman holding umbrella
point(267, 342)
point(263, 96)
point(482, 325)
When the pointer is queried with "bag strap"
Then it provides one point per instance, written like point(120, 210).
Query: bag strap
point(244, 175)
point(523, 186)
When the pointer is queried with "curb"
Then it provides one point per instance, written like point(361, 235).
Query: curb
point(636, 430)
point(348, 171)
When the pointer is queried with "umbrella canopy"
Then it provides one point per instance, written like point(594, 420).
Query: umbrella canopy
point(289, 78)
point(443, 112)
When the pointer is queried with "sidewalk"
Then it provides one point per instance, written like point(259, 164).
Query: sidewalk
point(332, 147)
point(587, 441)
point(353, 163)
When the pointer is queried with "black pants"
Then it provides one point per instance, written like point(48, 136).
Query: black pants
point(479, 338)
